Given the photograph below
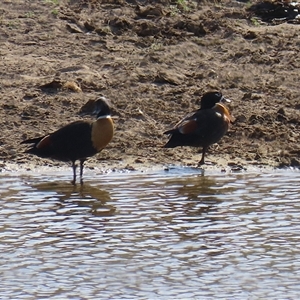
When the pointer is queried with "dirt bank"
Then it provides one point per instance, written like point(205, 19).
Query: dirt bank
point(153, 61)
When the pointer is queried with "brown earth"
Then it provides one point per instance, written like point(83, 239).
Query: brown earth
point(153, 60)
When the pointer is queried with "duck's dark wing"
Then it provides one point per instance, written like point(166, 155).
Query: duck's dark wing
point(203, 128)
point(70, 142)
point(187, 125)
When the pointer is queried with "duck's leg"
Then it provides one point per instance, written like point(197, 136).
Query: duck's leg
point(201, 162)
point(81, 170)
point(74, 172)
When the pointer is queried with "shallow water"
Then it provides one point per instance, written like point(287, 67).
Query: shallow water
point(181, 234)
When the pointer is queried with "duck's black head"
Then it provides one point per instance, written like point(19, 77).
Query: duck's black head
point(99, 107)
point(209, 99)
point(102, 107)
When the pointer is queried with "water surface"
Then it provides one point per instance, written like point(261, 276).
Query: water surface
point(181, 234)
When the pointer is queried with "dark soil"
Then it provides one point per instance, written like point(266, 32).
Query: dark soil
point(153, 60)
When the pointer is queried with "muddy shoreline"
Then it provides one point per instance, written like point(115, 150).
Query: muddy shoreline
point(153, 61)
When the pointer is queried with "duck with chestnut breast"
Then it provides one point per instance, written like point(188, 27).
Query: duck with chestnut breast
point(78, 140)
point(204, 127)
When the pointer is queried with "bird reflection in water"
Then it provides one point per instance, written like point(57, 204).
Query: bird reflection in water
point(85, 196)
point(196, 198)
point(195, 195)
point(194, 212)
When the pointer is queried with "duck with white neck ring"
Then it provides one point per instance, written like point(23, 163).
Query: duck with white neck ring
point(77, 140)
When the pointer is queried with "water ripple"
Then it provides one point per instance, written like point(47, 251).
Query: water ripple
point(162, 235)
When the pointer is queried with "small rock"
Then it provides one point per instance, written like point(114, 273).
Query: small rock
point(73, 28)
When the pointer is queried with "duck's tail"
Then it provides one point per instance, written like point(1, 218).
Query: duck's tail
point(173, 141)
point(32, 141)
